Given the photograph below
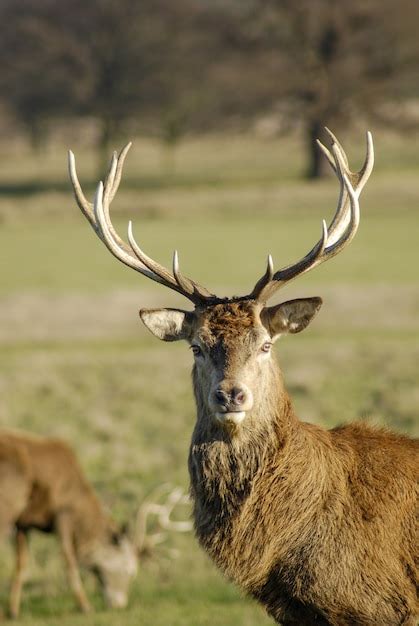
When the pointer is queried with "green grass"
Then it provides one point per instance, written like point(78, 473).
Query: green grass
point(62, 255)
point(75, 361)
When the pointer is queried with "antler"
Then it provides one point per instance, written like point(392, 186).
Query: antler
point(342, 228)
point(334, 238)
point(163, 512)
point(132, 255)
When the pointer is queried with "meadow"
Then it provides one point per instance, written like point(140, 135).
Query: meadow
point(76, 362)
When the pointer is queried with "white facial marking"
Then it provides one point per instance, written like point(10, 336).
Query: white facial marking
point(117, 599)
point(235, 417)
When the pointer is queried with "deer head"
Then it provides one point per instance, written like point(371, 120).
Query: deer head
point(114, 562)
point(114, 559)
point(231, 338)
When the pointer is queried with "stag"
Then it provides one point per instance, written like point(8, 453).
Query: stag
point(43, 487)
point(317, 525)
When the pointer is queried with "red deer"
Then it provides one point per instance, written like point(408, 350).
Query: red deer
point(318, 525)
point(43, 487)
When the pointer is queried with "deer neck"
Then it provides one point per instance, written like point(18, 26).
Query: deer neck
point(275, 459)
point(90, 522)
point(224, 464)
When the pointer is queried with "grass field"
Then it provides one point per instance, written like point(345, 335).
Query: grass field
point(75, 361)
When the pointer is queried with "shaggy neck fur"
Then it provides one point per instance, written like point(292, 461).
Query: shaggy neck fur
point(278, 504)
point(91, 524)
point(228, 468)
point(224, 462)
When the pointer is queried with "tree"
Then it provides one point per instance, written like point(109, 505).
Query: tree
point(168, 68)
point(121, 41)
point(40, 66)
point(323, 62)
point(109, 60)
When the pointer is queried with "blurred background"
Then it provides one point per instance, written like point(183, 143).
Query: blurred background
point(223, 101)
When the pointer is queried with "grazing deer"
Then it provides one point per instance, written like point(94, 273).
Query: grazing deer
point(43, 487)
point(318, 525)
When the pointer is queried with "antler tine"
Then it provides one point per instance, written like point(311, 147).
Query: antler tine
point(140, 262)
point(179, 284)
point(110, 188)
point(265, 279)
point(113, 245)
point(152, 265)
point(333, 141)
point(111, 185)
point(162, 511)
point(118, 172)
point(175, 497)
point(98, 215)
point(85, 206)
point(103, 228)
point(357, 178)
point(339, 163)
point(182, 285)
point(336, 246)
point(342, 228)
point(109, 180)
point(342, 214)
point(264, 289)
point(144, 510)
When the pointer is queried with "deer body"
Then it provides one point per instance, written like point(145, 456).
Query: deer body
point(318, 525)
point(43, 487)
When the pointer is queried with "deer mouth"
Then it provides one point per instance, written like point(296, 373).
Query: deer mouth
point(230, 417)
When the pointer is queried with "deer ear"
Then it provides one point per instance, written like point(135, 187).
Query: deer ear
point(290, 317)
point(168, 324)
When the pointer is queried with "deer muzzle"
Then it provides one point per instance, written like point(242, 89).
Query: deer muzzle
point(230, 402)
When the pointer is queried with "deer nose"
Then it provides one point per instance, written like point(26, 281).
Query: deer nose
point(238, 395)
point(221, 396)
point(235, 396)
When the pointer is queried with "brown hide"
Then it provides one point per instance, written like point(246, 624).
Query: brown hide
point(54, 482)
point(319, 526)
point(43, 487)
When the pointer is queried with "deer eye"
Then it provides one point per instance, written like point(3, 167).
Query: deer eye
point(266, 346)
point(196, 349)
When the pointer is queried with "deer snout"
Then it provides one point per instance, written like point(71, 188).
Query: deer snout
point(237, 396)
point(231, 401)
point(116, 599)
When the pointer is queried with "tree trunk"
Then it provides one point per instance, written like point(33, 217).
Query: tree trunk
point(173, 125)
point(317, 163)
point(107, 134)
point(168, 160)
point(37, 133)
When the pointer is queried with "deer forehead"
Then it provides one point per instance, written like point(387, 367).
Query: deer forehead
point(230, 325)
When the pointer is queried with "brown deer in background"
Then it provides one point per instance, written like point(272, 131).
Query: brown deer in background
point(318, 525)
point(43, 487)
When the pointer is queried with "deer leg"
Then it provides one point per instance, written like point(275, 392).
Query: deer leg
point(21, 547)
point(66, 537)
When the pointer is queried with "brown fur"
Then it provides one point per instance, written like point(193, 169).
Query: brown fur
point(43, 487)
point(225, 322)
point(319, 526)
